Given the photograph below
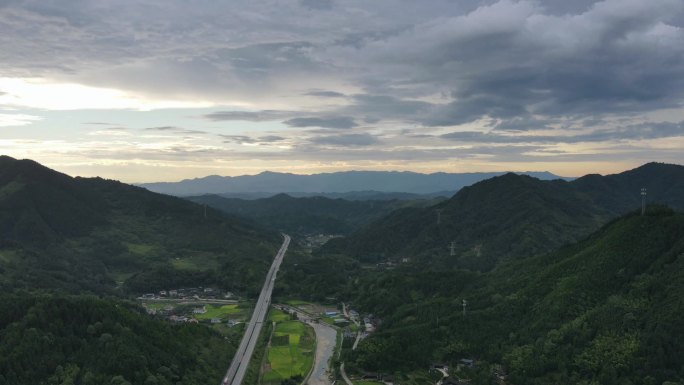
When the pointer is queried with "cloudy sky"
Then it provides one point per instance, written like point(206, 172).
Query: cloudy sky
point(161, 90)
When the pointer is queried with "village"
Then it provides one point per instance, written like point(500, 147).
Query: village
point(196, 305)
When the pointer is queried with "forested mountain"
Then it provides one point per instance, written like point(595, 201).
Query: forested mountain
point(58, 232)
point(509, 215)
point(309, 215)
point(336, 182)
point(57, 340)
point(63, 236)
point(606, 310)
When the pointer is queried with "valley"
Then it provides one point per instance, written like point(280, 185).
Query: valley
point(553, 283)
point(342, 192)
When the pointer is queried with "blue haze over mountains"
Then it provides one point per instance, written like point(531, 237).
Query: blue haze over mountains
point(348, 184)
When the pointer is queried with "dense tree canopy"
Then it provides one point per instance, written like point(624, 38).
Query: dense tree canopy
point(84, 340)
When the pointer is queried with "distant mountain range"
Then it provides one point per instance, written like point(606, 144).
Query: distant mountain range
point(349, 196)
point(361, 182)
point(312, 214)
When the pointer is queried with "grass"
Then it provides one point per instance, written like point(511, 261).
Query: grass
point(120, 276)
point(291, 351)
point(157, 305)
point(296, 302)
point(8, 256)
point(215, 311)
point(139, 248)
point(196, 261)
point(278, 316)
point(222, 312)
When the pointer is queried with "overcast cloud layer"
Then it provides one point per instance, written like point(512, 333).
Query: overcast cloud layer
point(179, 89)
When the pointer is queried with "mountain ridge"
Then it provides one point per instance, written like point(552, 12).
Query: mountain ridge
point(307, 215)
point(510, 215)
point(336, 182)
point(90, 233)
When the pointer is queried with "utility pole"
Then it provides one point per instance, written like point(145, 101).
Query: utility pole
point(643, 201)
point(465, 303)
point(452, 248)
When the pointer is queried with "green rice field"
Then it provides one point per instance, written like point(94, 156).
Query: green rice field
point(291, 351)
point(278, 316)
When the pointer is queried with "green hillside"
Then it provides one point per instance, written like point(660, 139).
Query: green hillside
point(63, 233)
point(47, 340)
point(61, 237)
point(607, 310)
point(507, 216)
point(308, 215)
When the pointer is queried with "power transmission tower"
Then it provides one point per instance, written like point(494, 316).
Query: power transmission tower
point(439, 216)
point(465, 303)
point(452, 248)
point(643, 201)
point(205, 211)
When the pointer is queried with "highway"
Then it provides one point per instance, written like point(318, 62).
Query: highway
point(238, 367)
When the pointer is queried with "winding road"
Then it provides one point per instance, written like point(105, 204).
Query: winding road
point(238, 367)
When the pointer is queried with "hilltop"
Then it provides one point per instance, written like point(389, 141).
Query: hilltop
point(509, 215)
point(59, 232)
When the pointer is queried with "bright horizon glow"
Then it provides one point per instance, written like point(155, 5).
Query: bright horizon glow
point(44, 94)
point(136, 173)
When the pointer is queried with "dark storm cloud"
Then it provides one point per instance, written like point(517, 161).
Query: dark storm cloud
point(339, 122)
point(512, 59)
point(500, 59)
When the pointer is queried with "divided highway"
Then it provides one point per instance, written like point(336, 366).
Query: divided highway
point(238, 366)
